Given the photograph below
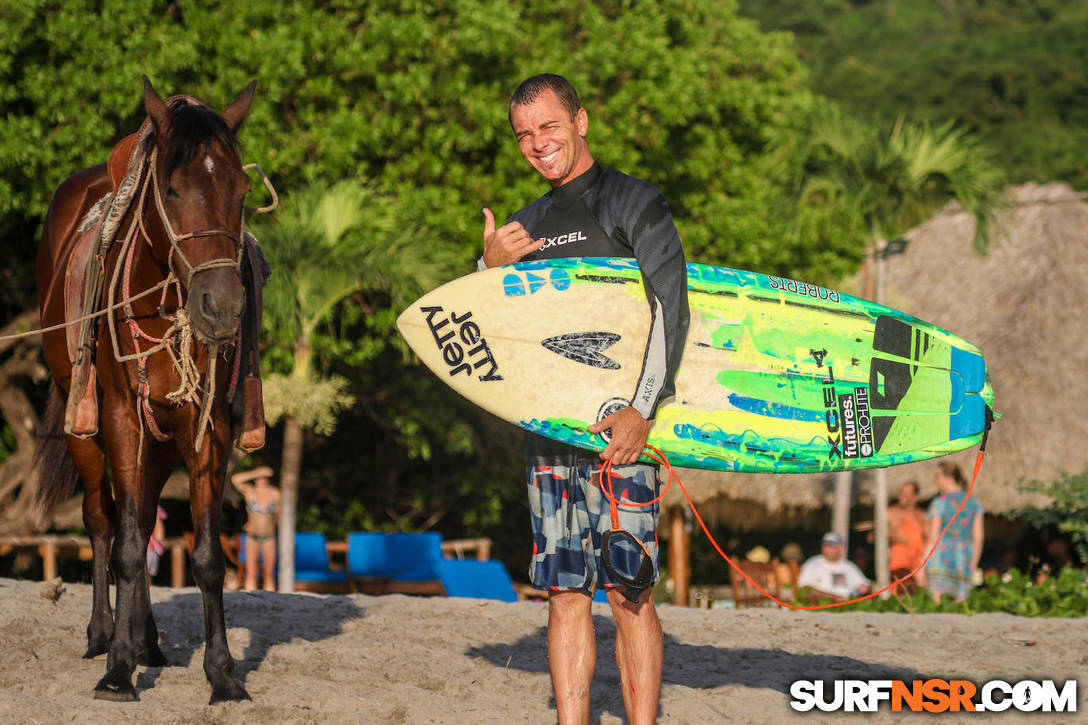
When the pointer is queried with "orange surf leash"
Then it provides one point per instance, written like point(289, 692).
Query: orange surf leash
point(660, 457)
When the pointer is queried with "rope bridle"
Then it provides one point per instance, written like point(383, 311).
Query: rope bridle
point(177, 341)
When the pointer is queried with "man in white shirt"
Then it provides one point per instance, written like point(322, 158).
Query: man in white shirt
point(830, 574)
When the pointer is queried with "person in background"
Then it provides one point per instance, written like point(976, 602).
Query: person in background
point(789, 568)
point(956, 557)
point(791, 552)
point(262, 514)
point(156, 545)
point(862, 557)
point(829, 574)
point(906, 537)
point(758, 554)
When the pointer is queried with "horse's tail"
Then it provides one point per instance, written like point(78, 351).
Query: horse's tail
point(57, 470)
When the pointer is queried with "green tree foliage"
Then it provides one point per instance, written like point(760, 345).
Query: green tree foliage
point(1049, 594)
point(1014, 72)
point(326, 245)
point(412, 96)
point(876, 185)
point(1068, 510)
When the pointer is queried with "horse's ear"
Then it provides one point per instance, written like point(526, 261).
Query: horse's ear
point(156, 108)
point(237, 111)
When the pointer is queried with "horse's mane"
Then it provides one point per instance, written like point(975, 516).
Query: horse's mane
point(192, 126)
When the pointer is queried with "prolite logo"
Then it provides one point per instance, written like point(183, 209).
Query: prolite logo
point(461, 333)
point(933, 696)
point(568, 238)
point(857, 425)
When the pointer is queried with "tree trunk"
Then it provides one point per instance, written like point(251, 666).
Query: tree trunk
point(880, 532)
point(679, 555)
point(19, 481)
point(840, 516)
point(290, 468)
point(880, 515)
point(290, 471)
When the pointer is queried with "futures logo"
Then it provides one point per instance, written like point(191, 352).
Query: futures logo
point(857, 424)
point(849, 423)
point(455, 343)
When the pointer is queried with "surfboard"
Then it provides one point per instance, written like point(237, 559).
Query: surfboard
point(777, 375)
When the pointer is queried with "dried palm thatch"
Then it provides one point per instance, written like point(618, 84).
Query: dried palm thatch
point(1023, 304)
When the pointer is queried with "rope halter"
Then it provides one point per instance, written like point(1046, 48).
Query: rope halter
point(176, 239)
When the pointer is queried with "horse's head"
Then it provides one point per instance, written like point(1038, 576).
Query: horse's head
point(197, 187)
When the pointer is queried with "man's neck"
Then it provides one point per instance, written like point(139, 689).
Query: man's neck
point(585, 163)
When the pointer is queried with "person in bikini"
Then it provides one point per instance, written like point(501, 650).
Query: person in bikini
point(262, 512)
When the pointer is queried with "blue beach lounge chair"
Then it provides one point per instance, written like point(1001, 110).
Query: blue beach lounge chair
point(401, 563)
point(478, 579)
point(312, 572)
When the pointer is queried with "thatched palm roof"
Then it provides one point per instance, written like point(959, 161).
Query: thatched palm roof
point(1023, 304)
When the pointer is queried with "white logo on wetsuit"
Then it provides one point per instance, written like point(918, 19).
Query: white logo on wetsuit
point(568, 238)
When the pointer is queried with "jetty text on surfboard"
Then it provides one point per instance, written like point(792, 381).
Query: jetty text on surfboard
point(804, 288)
point(449, 334)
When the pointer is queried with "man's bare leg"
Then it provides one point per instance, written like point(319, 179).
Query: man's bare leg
point(639, 653)
point(572, 654)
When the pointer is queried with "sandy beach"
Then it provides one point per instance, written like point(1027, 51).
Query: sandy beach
point(329, 658)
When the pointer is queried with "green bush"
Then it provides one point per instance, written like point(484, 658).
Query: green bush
point(1068, 510)
point(1063, 595)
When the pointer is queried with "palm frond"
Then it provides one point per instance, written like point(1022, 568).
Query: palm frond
point(882, 185)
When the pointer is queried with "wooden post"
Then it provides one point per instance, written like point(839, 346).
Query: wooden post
point(49, 559)
point(883, 575)
point(679, 555)
point(177, 564)
point(840, 512)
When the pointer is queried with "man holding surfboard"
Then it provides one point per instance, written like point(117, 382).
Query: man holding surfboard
point(578, 547)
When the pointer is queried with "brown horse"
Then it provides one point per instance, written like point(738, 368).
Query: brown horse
point(184, 228)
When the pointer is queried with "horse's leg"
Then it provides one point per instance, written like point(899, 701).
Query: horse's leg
point(207, 471)
point(98, 516)
point(162, 459)
point(129, 555)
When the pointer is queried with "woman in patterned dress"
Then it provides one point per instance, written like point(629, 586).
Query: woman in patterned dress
point(950, 568)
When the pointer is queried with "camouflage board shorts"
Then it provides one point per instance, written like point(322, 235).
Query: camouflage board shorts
point(570, 514)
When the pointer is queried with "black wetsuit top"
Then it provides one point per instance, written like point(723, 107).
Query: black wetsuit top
point(605, 213)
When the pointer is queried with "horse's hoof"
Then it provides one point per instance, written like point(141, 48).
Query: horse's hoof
point(98, 641)
point(115, 687)
point(230, 693)
point(93, 650)
point(153, 658)
point(115, 694)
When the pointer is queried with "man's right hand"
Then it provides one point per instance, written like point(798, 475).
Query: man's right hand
point(508, 243)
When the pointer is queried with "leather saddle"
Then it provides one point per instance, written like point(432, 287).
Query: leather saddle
point(83, 281)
